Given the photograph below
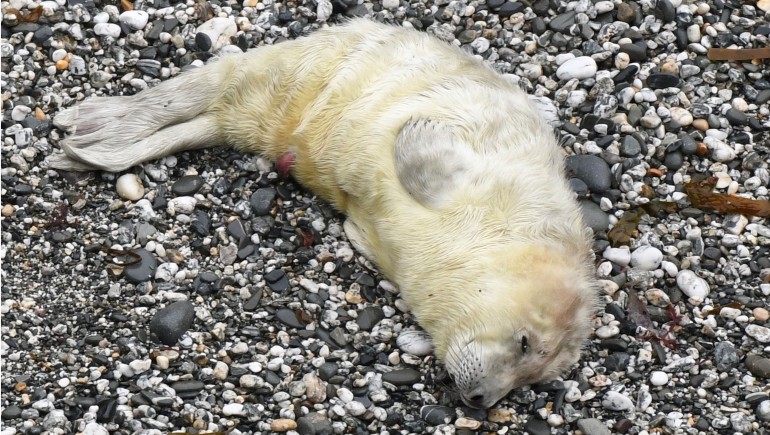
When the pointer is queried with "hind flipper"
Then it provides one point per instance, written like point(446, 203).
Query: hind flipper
point(114, 133)
point(109, 155)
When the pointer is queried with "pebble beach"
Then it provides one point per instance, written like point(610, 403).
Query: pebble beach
point(206, 293)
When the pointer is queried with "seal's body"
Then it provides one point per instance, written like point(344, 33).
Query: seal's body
point(452, 183)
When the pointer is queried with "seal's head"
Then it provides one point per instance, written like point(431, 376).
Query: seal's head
point(527, 323)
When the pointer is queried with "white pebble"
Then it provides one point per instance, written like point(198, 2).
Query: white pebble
point(134, 19)
point(646, 258)
point(658, 378)
point(355, 408)
point(107, 29)
point(759, 333)
point(620, 256)
point(615, 401)
point(183, 204)
point(415, 342)
point(607, 331)
point(130, 187)
point(578, 68)
point(233, 409)
point(692, 285)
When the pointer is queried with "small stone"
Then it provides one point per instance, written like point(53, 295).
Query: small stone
point(658, 378)
point(289, 318)
point(662, 81)
point(759, 333)
point(629, 146)
point(692, 285)
point(592, 170)
point(219, 30)
point(725, 356)
point(594, 216)
point(592, 426)
point(415, 342)
point(578, 68)
point(142, 270)
point(314, 423)
point(620, 256)
point(562, 22)
point(615, 401)
point(646, 258)
point(187, 185)
point(436, 414)
point(760, 314)
point(467, 423)
point(261, 201)
point(401, 377)
point(681, 117)
point(231, 409)
point(171, 322)
point(369, 317)
point(134, 19)
point(129, 187)
point(607, 331)
point(283, 425)
point(107, 29)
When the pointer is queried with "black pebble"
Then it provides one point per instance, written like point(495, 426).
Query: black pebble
point(203, 41)
point(144, 269)
point(289, 318)
point(187, 185)
point(662, 81)
point(171, 322)
point(262, 200)
point(592, 170)
point(402, 377)
point(369, 317)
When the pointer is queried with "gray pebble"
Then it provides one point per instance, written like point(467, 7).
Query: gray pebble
point(171, 322)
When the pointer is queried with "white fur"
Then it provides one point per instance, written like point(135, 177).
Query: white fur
point(451, 181)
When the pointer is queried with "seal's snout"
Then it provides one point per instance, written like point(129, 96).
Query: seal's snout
point(475, 400)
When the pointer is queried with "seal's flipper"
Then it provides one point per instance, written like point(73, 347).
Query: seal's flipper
point(431, 162)
point(115, 133)
point(359, 239)
point(107, 155)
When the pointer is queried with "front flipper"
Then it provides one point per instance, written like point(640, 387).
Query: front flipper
point(431, 162)
point(359, 238)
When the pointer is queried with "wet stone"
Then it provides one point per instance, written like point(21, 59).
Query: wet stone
point(402, 377)
point(537, 427)
point(436, 414)
point(369, 316)
point(236, 229)
point(592, 170)
point(758, 366)
point(144, 269)
point(170, 322)
point(635, 52)
point(736, 117)
point(314, 424)
point(187, 185)
point(662, 81)
point(562, 22)
point(594, 216)
point(630, 147)
point(592, 426)
point(289, 318)
point(277, 280)
point(262, 200)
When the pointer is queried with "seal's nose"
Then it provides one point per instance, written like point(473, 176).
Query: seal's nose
point(475, 401)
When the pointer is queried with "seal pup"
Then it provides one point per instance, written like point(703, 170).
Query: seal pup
point(451, 181)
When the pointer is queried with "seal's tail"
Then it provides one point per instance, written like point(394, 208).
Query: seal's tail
point(115, 133)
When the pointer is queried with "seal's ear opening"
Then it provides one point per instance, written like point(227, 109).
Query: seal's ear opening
point(432, 162)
